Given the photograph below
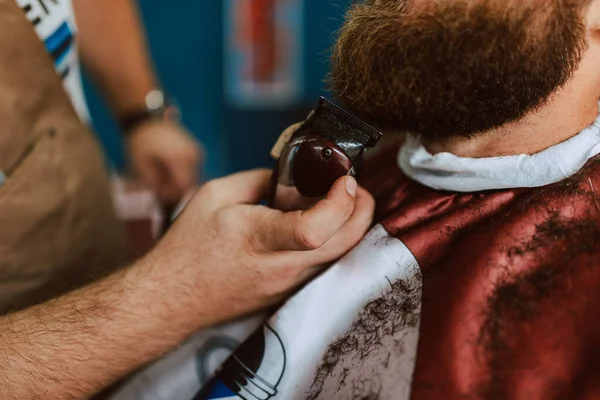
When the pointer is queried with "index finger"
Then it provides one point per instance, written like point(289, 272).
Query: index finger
point(248, 187)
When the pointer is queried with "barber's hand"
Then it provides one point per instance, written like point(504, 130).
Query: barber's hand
point(234, 257)
point(166, 157)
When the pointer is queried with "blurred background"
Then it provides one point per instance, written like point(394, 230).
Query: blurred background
point(240, 70)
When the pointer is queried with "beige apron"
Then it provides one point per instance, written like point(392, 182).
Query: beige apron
point(57, 225)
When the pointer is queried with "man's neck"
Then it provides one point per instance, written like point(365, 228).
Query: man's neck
point(551, 125)
point(568, 112)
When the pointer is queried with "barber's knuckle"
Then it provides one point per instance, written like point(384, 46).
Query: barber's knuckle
point(250, 226)
point(308, 238)
point(211, 190)
point(231, 220)
point(255, 243)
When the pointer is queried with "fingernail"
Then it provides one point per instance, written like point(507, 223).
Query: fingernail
point(351, 186)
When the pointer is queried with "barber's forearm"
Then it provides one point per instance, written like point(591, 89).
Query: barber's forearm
point(114, 50)
point(78, 344)
point(222, 258)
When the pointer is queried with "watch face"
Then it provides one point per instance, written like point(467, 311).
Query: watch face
point(155, 102)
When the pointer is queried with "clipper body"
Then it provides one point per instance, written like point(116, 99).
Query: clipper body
point(311, 156)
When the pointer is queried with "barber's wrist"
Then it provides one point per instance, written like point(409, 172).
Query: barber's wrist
point(157, 107)
point(157, 293)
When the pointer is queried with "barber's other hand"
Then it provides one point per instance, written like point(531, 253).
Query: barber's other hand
point(232, 257)
point(166, 157)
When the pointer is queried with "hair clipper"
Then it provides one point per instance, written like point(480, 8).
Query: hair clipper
point(313, 154)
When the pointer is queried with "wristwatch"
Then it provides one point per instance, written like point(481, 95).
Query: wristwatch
point(157, 107)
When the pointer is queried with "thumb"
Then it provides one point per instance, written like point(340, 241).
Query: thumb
point(248, 187)
point(310, 229)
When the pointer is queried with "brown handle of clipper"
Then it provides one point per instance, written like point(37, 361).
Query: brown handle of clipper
point(318, 163)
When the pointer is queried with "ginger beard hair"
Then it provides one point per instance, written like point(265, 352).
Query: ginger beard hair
point(455, 67)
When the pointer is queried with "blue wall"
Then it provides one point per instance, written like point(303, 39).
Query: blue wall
point(186, 43)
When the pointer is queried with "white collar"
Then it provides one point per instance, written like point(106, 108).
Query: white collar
point(445, 171)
